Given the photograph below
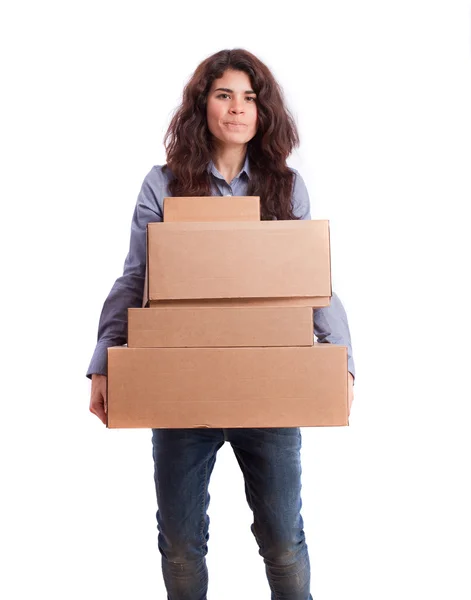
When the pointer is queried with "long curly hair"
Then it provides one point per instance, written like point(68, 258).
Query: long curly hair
point(188, 142)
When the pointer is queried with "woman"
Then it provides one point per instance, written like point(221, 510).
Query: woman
point(231, 135)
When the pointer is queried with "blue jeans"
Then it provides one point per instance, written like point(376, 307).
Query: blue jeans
point(270, 462)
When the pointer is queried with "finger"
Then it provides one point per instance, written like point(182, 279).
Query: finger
point(99, 412)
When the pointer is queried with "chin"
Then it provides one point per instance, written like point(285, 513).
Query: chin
point(234, 139)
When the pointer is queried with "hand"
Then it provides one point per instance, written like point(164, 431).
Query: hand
point(98, 397)
point(350, 392)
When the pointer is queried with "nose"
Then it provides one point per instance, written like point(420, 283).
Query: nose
point(236, 106)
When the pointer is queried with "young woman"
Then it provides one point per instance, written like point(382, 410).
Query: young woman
point(231, 135)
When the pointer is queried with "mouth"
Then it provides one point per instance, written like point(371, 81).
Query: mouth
point(234, 124)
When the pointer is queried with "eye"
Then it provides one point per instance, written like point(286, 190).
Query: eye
point(224, 95)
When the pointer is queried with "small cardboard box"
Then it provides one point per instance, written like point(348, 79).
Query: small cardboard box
point(240, 260)
point(222, 326)
point(227, 387)
point(211, 208)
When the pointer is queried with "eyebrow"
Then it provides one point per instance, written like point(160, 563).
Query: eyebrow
point(232, 91)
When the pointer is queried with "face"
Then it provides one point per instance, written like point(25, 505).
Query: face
point(232, 109)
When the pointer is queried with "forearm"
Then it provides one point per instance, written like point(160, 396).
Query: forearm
point(331, 327)
point(127, 292)
point(330, 323)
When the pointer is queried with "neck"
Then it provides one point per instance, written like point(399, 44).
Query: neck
point(229, 160)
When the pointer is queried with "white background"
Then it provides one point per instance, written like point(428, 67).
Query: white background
point(381, 92)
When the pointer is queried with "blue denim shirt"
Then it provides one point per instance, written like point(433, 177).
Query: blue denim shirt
point(330, 323)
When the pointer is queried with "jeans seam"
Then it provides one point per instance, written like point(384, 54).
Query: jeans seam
point(205, 490)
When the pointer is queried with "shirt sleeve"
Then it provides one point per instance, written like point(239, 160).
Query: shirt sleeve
point(128, 290)
point(330, 322)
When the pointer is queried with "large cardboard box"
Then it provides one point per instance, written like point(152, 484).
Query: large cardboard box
point(252, 260)
point(227, 387)
point(211, 208)
point(222, 326)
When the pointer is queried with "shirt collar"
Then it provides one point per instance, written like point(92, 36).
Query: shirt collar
point(245, 168)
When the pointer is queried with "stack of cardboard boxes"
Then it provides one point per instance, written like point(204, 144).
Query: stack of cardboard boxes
point(225, 338)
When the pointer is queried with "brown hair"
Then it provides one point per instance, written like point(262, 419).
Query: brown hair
point(188, 140)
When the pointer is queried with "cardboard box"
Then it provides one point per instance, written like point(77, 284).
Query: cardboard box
point(227, 387)
point(207, 208)
point(211, 208)
point(251, 260)
point(226, 326)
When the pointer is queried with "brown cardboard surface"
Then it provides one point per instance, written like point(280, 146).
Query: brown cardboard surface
point(227, 387)
point(145, 297)
point(222, 326)
point(312, 302)
point(265, 259)
point(211, 208)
